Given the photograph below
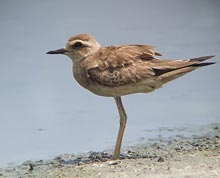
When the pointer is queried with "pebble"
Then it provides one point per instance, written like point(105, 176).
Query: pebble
point(160, 159)
point(113, 162)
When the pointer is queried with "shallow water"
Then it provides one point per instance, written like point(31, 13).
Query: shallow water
point(44, 112)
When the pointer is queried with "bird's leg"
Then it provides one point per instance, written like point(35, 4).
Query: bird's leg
point(123, 120)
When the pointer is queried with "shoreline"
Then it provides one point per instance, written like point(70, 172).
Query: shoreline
point(198, 156)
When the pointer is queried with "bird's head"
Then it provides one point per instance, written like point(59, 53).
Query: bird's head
point(78, 47)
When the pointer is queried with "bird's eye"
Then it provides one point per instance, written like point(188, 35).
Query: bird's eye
point(77, 45)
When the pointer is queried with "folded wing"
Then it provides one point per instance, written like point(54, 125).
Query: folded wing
point(122, 65)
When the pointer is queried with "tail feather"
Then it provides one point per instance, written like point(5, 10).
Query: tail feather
point(202, 64)
point(201, 59)
point(169, 74)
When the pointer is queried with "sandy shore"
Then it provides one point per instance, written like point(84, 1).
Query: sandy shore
point(182, 158)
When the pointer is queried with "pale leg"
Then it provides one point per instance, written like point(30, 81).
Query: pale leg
point(123, 120)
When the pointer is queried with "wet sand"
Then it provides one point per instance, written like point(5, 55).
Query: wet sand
point(198, 156)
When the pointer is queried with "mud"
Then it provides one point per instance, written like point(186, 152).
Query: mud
point(197, 156)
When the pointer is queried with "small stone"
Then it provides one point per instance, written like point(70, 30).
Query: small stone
point(161, 159)
point(31, 167)
point(216, 128)
point(113, 162)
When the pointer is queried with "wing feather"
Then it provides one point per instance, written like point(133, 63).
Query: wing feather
point(120, 65)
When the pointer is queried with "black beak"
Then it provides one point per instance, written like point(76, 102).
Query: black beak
point(58, 51)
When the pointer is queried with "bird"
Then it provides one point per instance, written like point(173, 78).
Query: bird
point(119, 70)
